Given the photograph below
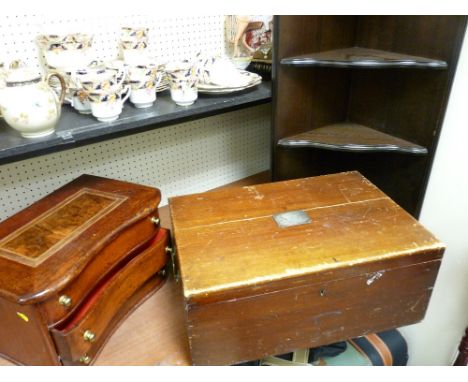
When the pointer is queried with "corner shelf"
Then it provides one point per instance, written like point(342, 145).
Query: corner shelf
point(357, 57)
point(353, 138)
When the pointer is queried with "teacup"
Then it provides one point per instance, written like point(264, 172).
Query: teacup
point(69, 38)
point(80, 102)
point(143, 97)
point(133, 45)
point(183, 80)
point(66, 51)
point(143, 93)
point(98, 79)
point(141, 71)
point(144, 68)
point(133, 56)
point(133, 34)
point(106, 107)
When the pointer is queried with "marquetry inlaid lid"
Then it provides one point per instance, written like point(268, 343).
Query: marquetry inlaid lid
point(45, 246)
point(240, 241)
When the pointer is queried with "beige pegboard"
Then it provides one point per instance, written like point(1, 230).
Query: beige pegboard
point(185, 158)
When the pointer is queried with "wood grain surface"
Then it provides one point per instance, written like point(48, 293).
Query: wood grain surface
point(229, 239)
point(351, 137)
point(130, 241)
point(245, 329)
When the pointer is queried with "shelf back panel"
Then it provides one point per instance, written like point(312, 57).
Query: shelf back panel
point(304, 99)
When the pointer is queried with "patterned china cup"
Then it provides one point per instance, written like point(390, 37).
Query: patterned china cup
point(143, 93)
point(135, 54)
point(134, 34)
point(144, 69)
point(107, 107)
point(80, 102)
point(183, 80)
point(132, 45)
point(72, 50)
point(98, 79)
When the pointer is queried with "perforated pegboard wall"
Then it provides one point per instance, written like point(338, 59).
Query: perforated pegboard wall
point(185, 158)
point(179, 159)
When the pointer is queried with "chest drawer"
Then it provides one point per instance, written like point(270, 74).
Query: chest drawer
point(81, 335)
point(63, 304)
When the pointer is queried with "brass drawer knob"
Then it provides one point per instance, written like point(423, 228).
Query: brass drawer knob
point(65, 301)
point(162, 273)
point(89, 336)
point(155, 220)
point(86, 359)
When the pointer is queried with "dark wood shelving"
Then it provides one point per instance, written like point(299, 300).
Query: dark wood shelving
point(351, 137)
point(357, 57)
point(74, 129)
point(391, 74)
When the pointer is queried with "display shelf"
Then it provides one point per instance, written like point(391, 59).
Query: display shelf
point(357, 57)
point(75, 129)
point(351, 137)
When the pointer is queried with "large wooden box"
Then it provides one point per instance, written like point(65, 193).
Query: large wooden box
point(73, 265)
point(258, 281)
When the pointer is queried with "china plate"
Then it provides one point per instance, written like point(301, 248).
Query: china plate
point(254, 79)
point(228, 90)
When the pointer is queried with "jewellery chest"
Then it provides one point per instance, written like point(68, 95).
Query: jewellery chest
point(73, 265)
point(276, 267)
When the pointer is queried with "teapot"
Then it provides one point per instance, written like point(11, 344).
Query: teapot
point(28, 103)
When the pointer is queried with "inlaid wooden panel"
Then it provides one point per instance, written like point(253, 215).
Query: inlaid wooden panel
point(48, 233)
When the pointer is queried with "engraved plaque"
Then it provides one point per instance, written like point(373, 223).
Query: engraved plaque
point(45, 235)
point(291, 218)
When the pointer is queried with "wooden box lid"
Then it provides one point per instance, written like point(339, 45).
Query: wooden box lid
point(228, 240)
point(45, 246)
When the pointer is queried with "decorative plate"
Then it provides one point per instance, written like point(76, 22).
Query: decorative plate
point(221, 90)
point(254, 79)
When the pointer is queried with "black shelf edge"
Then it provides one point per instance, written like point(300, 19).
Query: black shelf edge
point(331, 137)
point(357, 57)
point(75, 130)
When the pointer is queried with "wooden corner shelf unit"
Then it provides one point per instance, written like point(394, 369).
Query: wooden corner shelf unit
point(364, 93)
